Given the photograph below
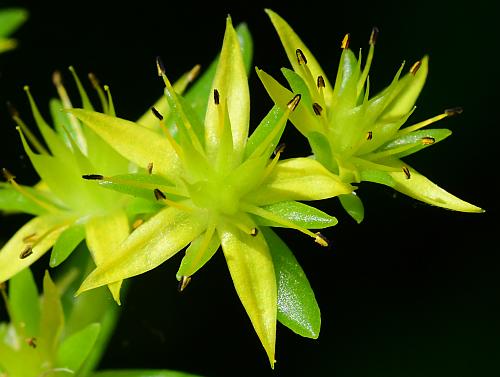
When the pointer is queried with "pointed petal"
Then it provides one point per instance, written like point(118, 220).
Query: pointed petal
point(420, 139)
point(136, 143)
point(252, 272)
point(24, 302)
point(148, 246)
point(297, 306)
point(420, 188)
point(232, 83)
point(52, 319)
point(12, 200)
point(66, 243)
point(74, 350)
point(104, 235)
point(291, 42)
point(299, 179)
point(48, 226)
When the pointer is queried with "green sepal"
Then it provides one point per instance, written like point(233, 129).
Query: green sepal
point(377, 176)
point(66, 244)
point(24, 302)
point(198, 253)
point(353, 206)
point(12, 200)
point(415, 138)
point(297, 306)
point(74, 350)
point(298, 86)
point(322, 151)
point(11, 19)
point(299, 213)
point(266, 127)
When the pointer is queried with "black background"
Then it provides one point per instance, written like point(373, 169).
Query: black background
point(413, 291)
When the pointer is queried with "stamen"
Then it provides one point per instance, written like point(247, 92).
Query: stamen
point(321, 240)
point(156, 113)
point(137, 223)
point(428, 140)
point(150, 168)
point(301, 58)
point(111, 106)
point(31, 342)
point(294, 102)
point(37, 145)
point(160, 66)
point(419, 125)
point(194, 72)
point(369, 135)
point(159, 195)
point(373, 36)
point(454, 111)
point(317, 108)
point(26, 252)
point(407, 172)
point(320, 82)
point(97, 86)
point(93, 177)
point(183, 283)
point(414, 68)
point(144, 185)
point(280, 148)
point(216, 97)
point(345, 41)
point(254, 232)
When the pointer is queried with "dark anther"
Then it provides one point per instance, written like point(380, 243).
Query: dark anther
point(183, 283)
point(31, 342)
point(254, 232)
point(301, 58)
point(216, 97)
point(428, 140)
point(322, 240)
point(320, 82)
point(156, 113)
point(159, 194)
point(317, 108)
point(414, 68)
point(369, 135)
point(454, 111)
point(280, 148)
point(150, 168)
point(407, 172)
point(374, 35)
point(160, 66)
point(93, 177)
point(345, 41)
point(294, 102)
point(26, 252)
point(94, 80)
point(12, 110)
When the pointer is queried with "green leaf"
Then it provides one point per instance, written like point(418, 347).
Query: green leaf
point(142, 373)
point(198, 253)
point(299, 86)
point(47, 227)
point(252, 272)
point(300, 214)
point(266, 127)
point(24, 302)
point(232, 83)
point(299, 179)
point(353, 206)
point(66, 243)
point(11, 19)
point(420, 188)
point(291, 42)
point(297, 306)
point(136, 143)
point(418, 139)
point(74, 350)
point(105, 234)
point(148, 246)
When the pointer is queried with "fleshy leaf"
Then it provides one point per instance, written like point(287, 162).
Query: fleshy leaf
point(52, 319)
point(300, 214)
point(291, 42)
point(74, 350)
point(148, 246)
point(231, 82)
point(66, 243)
point(24, 302)
point(297, 306)
point(104, 235)
point(136, 143)
point(299, 179)
point(353, 206)
point(419, 187)
point(252, 272)
point(46, 227)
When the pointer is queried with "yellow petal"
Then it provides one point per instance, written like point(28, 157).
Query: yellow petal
point(252, 272)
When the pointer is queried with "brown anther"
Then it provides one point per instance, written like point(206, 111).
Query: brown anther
point(301, 58)
point(369, 135)
point(345, 41)
point(156, 113)
point(183, 283)
point(427, 140)
point(12, 110)
point(30, 238)
point(407, 172)
point(150, 168)
point(31, 342)
point(3, 286)
point(194, 72)
point(57, 78)
point(317, 108)
point(159, 194)
point(280, 148)
point(454, 111)
point(137, 223)
point(94, 80)
point(26, 253)
point(93, 177)
point(9, 177)
point(160, 66)
point(254, 232)
point(321, 240)
point(216, 97)
point(373, 36)
point(294, 102)
point(320, 82)
point(415, 67)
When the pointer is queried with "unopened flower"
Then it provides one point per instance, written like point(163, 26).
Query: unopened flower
point(356, 135)
point(217, 187)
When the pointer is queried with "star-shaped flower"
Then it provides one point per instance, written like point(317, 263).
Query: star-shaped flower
point(218, 187)
point(357, 136)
